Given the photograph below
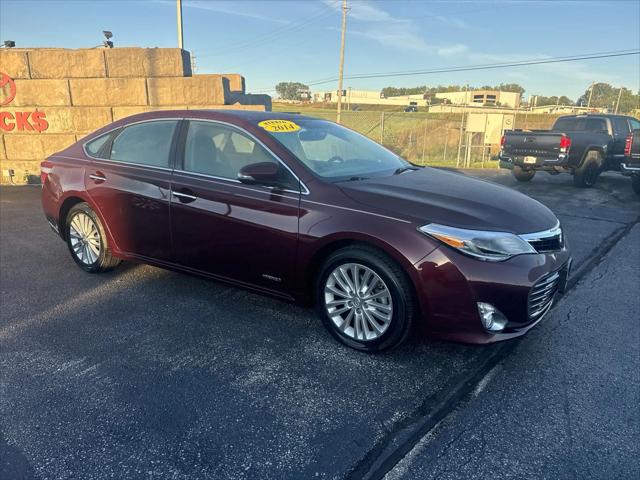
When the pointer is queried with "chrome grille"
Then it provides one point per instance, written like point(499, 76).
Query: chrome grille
point(541, 295)
point(548, 241)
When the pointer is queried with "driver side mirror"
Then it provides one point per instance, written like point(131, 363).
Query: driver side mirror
point(262, 173)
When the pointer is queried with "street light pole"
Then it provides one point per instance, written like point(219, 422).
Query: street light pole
point(344, 28)
point(590, 94)
point(618, 101)
point(179, 19)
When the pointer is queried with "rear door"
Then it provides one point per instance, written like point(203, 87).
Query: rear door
point(129, 180)
point(621, 130)
point(247, 233)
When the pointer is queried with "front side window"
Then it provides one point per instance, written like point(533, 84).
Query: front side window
point(146, 143)
point(221, 151)
point(337, 153)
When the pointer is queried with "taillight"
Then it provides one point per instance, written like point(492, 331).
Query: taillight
point(503, 140)
point(627, 145)
point(565, 143)
point(46, 167)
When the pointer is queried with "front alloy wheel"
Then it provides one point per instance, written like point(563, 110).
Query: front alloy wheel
point(358, 302)
point(365, 299)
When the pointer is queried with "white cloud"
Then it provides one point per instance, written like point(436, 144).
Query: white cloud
point(374, 23)
point(452, 50)
point(227, 8)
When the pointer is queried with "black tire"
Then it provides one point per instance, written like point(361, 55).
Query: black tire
point(522, 175)
point(635, 183)
point(397, 283)
point(104, 261)
point(587, 174)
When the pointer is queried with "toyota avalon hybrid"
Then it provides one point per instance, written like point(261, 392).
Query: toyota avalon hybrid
point(309, 211)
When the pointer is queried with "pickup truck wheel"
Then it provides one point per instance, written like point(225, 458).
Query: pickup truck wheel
point(635, 183)
point(522, 175)
point(587, 174)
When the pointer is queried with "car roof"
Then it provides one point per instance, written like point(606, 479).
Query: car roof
point(251, 116)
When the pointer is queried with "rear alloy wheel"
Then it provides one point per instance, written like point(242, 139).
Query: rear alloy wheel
point(522, 175)
point(587, 174)
point(365, 299)
point(86, 240)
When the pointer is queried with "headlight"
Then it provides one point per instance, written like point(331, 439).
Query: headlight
point(488, 246)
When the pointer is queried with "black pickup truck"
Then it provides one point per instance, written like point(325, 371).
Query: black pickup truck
point(631, 163)
point(583, 145)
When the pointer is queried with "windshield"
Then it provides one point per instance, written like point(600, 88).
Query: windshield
point(337, 153)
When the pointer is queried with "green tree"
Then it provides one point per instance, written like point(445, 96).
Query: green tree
point(606, 96)
point(290, 90)
point(553, 100)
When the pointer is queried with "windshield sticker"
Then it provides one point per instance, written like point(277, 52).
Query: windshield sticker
point(279, 126)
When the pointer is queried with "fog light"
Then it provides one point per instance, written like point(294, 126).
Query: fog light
point(492, 319)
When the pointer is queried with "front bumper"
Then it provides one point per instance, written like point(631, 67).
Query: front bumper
point(451, 284)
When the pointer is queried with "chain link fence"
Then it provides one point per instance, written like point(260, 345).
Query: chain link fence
point(437, 139)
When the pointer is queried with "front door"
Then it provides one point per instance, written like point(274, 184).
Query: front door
point(246, 233)
point(129, 180)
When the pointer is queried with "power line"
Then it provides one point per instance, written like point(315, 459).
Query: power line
point(270, 36)
point(467, 68)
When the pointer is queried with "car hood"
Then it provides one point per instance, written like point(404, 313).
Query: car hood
point(431, 195)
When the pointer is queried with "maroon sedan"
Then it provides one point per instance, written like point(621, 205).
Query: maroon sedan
point(310, 211)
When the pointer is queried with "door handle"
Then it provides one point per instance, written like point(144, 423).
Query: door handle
point(184, 197)
point(97, 177)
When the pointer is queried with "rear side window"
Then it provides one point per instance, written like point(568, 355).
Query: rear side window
point(621, 125)
point(580, 124)
point(95, 148)
point(595, 125)
point(635, 124)
point(145, 143)
point(567, 125)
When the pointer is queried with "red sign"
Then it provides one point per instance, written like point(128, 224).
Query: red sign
point(19, 121)
point(7, 83)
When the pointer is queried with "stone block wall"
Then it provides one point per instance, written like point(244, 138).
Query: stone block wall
point(51, 98)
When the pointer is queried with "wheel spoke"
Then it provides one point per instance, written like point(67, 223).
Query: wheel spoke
point(335, 303)
point(382, 316)
point(347, 280)
point(341, 282)
point(334, 291)
point(372, 321)
point(380, 306)
point(373, 296)
point(347, 321)
point(356, 280)
point(366, 278)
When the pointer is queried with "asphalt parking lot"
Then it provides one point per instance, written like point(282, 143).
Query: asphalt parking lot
point(145, 373)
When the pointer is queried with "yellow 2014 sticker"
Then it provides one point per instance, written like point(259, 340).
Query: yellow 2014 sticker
point(279, 126)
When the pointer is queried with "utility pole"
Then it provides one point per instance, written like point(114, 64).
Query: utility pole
point(340, 72)
point(618, 101)
point(179, 19)
point(590, 94)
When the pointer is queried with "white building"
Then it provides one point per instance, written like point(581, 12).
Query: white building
point(369, 97)
point(482, 98)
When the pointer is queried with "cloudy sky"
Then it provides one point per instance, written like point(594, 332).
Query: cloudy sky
point(298, 40)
